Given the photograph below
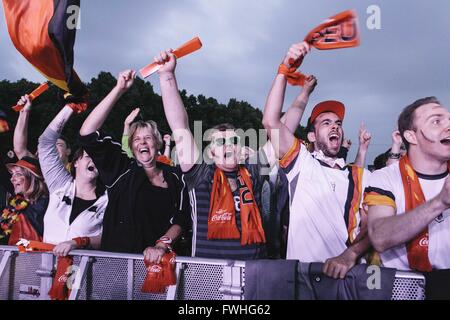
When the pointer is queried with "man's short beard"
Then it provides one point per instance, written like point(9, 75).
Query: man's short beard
point(324, 148)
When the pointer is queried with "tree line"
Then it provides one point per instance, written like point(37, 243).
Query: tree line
point(199, 108)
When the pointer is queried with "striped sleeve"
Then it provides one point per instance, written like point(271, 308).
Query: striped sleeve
point(380, 191)
point(289, 158)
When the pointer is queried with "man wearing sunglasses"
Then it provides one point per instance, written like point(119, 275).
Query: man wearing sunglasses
point(325, 194)
point(225, 193)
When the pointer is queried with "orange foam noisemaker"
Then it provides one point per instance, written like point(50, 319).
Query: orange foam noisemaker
point(187, 48)
point(36, 93)
point(338, 31)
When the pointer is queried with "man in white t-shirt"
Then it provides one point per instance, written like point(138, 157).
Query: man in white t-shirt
point(409, 201)
point(325, 194)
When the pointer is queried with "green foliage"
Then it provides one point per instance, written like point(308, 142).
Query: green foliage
point(208, 110)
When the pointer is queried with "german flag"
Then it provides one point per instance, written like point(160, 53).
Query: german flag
point(41, 31)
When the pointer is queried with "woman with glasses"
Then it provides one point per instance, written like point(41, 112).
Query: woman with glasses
point(23, 216)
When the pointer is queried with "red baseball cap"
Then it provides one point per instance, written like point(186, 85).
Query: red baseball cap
point(336, 107)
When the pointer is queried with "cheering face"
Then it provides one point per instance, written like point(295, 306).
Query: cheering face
point(144, 147)
point(328, 134)
point(432, 134)
point(85, 168)
point(226, 150)
point(19, 181)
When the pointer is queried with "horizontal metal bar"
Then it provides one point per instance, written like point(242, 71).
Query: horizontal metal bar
point(191, 260)
point(409, 275)
point(118, 255)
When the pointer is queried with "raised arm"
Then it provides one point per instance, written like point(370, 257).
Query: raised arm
point(364, 141)
point(53, 169)
point(395, 153)
point(280, 136)
point(298, 107)
point(177, 117)
point(20, 140)
point(166, 139)
point(387, 230)
point(98, 116)
point(126, 128)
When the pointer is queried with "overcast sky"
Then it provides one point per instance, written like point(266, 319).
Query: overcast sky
point(245, 40)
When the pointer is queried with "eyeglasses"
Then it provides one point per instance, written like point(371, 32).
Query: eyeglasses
point(17, 175)
point(227, 141)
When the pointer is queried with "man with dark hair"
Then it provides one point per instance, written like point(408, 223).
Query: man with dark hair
point(406, 118)
point(409, 201)
point(325, 194)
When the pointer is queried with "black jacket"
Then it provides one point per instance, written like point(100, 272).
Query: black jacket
point(123, 229)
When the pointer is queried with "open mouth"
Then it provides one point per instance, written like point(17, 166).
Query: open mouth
point(334, 137)
point(91, 168)
point(144, 150)
point(446, 141)
point(228, 155)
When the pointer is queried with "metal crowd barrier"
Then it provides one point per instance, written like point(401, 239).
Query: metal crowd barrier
point(115, 276)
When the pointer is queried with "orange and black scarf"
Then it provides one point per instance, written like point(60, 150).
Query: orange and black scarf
point(418, 247)
point(222, 213)
point(353, 203)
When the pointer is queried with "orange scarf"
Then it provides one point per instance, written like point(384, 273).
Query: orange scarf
point(222, 213)
point(418, 247)
point(293, 77)
point(59, 289)
point(161, 275)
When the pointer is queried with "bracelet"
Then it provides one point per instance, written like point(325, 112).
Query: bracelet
point(82, 242)
point(394, 156)
point(78, 107)
point(166, 241)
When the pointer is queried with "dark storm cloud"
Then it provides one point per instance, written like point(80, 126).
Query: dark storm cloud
point(245, 40)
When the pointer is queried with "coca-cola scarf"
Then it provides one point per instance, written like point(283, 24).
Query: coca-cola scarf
point(222, 213)
point(418, 247)
point(160, 275)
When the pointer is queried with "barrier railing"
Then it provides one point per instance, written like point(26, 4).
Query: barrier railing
point(116, 276)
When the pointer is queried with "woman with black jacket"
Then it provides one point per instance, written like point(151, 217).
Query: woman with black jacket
point(148, 203)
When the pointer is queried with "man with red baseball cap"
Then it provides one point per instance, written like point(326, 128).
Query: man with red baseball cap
point(325, 193)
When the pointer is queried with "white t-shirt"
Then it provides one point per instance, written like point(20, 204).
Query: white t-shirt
point(387, 182)
point(319, 196)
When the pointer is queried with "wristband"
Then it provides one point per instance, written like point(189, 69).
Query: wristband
point(82, 242)
point(78, 107)
point(394, 156)
point(166, 241)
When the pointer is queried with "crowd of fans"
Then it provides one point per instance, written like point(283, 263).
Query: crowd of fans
point(290, 199)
